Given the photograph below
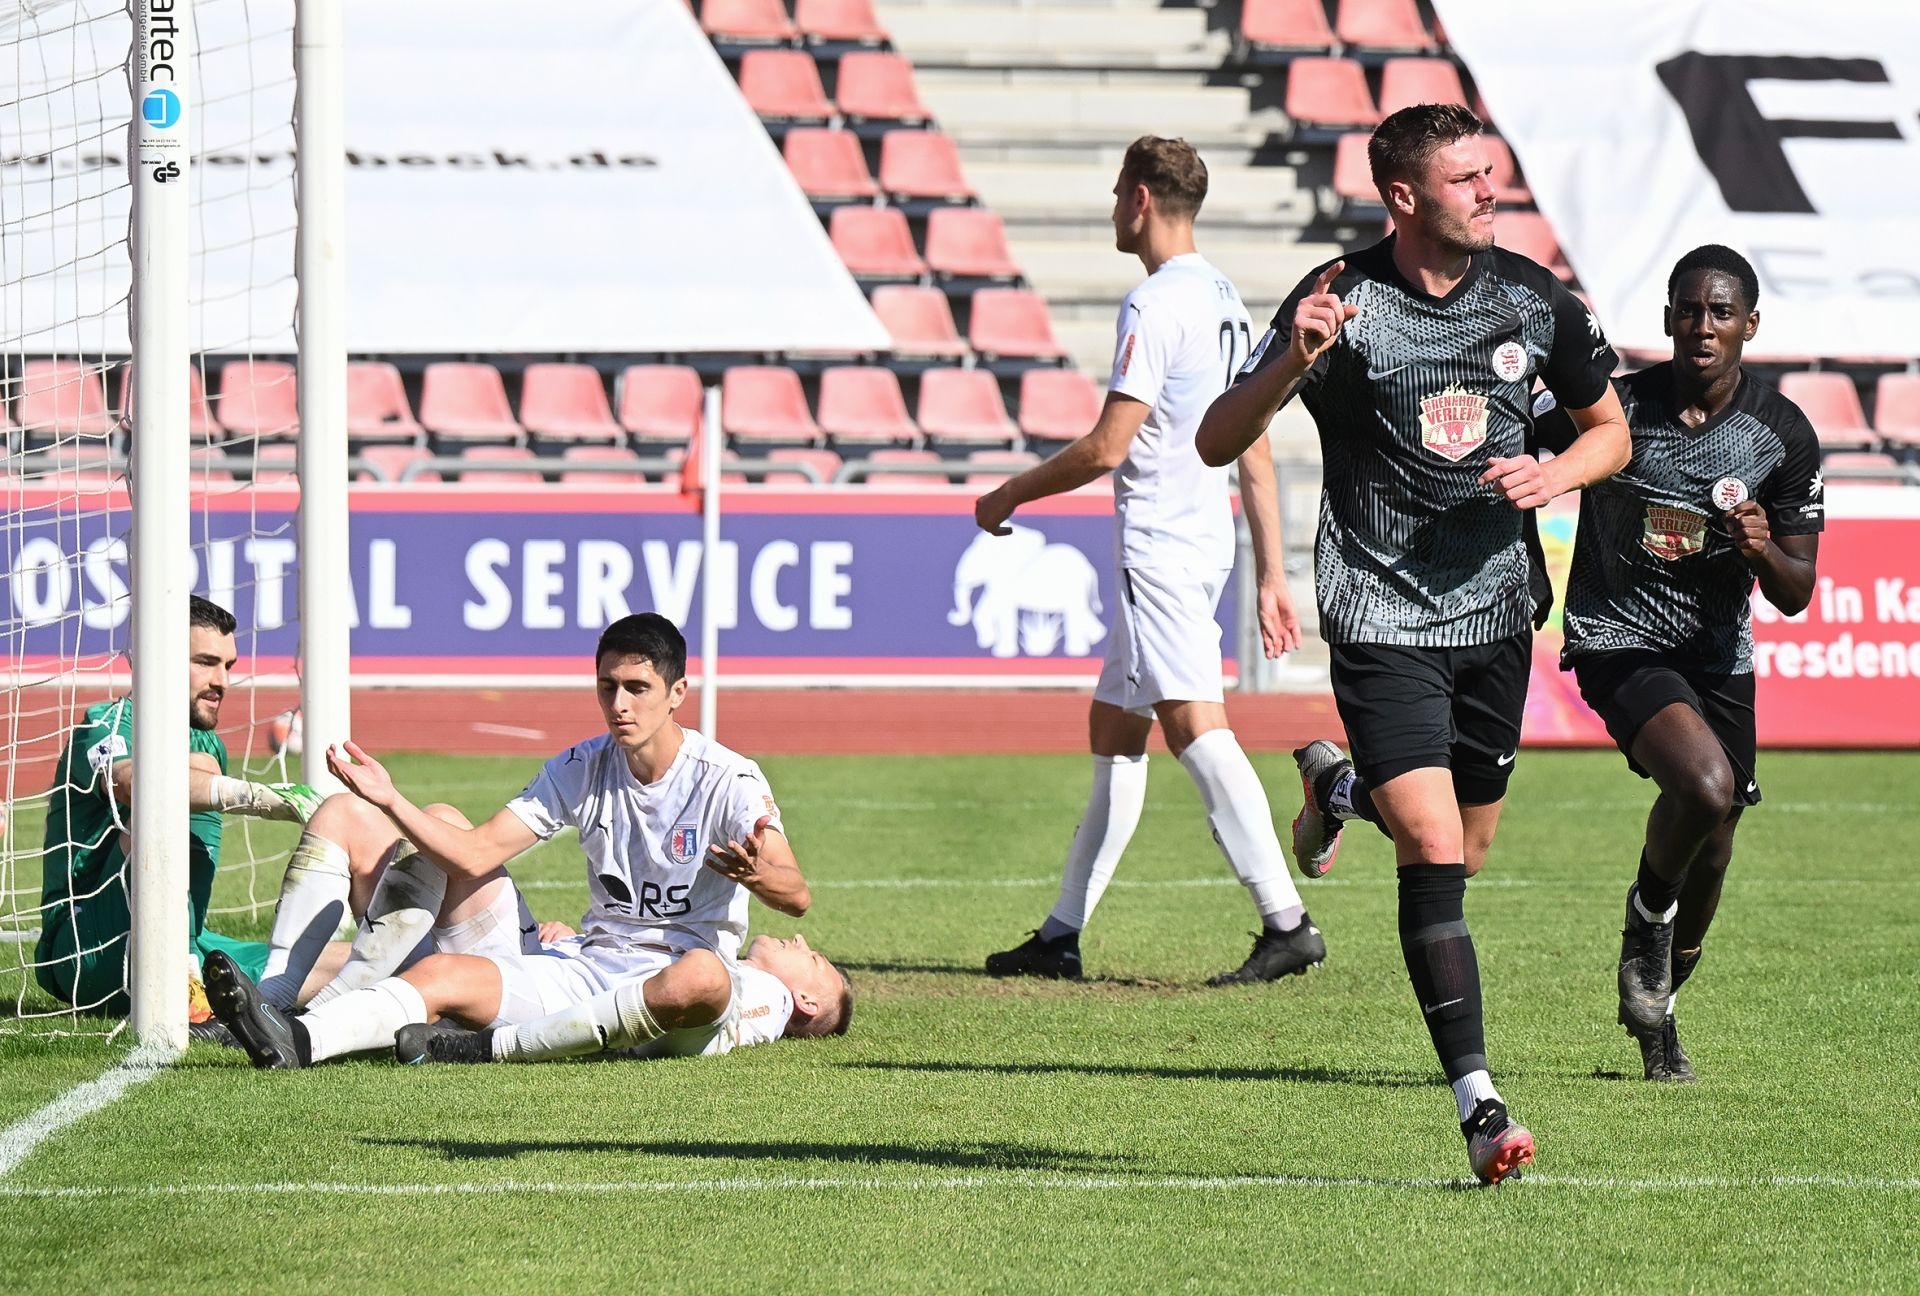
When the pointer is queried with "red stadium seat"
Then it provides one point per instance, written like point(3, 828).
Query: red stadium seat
point(491, 454)
point(207, 466)
point(1863, 468)
point(1508, 187)
point(1896, 409)
point(763, 404)
point(1380, 24)
point(77, 465)
point(991, 467)
point(919, 320)
point(969, 243)
point(861, 405)
point(1058, 405)
point(1329, 93)
point(1529, 234)
point(258, 399)
point(1286, 25)
point(922, 164)
point(600, 454)
point(963, 407)
point(275, 463)
point(1012, 324)
point(202, 427)
point(466, 403)
point(1832, 404)
point(64, 398)
point(566, 404)
point(840, 22)
point(828, 164)
point(875, 243)
point(747, 22)
point(899, 479)
point(1408, 81)
point(784, 85)
point(879, 87)
point(660, 404)
point(392, 461)
point(825, 463)
point(1352, 173)
point(377, 408)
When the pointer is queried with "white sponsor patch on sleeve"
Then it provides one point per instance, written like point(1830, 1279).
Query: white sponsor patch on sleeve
point(104, 753)
point(1543, 403)
point(1253, 358)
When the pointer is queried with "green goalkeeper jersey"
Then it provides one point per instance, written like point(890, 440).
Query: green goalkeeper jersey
point(84, 823)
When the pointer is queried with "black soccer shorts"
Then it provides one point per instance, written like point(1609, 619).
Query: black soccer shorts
point(1630, 687)
point(1408, 708)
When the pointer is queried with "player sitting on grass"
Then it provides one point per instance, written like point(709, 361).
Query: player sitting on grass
point(677, 832)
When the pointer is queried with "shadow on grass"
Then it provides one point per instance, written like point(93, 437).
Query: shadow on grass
point(968, 1156)
point(1297, 1075)
point(1022, 984)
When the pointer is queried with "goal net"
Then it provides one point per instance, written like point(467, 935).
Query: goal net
point(67, 294)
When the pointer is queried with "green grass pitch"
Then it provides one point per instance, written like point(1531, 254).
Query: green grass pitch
point(1138, 1132)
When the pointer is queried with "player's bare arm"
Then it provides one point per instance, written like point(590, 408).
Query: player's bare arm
point(1093, 456)
point(468, 852)
point(764, 864)
point(1601, 447)
point(1260, 500)
point(1785, 567)
point(1242, 412)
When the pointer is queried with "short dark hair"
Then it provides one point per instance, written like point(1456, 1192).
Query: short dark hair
point(650, 637)
point(1719, 258)
point(1172, 172)
point(205, 612)
point(1402, 143)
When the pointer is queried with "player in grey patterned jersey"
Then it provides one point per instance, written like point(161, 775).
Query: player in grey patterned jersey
point(1417, 360)
point(1723, 489)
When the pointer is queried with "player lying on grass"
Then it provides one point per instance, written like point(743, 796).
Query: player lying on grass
point(677, 832)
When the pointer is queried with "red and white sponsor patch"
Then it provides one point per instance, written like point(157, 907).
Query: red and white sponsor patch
point(1509, 361)
point(1729, 492)
point(1453, 423)
point(1673, 533)
point(1126, 355)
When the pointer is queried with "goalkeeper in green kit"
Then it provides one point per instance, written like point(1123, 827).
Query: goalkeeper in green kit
point(81, 955)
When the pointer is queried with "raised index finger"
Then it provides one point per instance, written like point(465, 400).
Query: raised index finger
point(1327, 276)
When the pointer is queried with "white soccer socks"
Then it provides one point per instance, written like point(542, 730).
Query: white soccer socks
point(364, 1020)
point(313, 901)
point(1243, 825)
point(615, 1019)
point(1113, 812)
point(398, 922)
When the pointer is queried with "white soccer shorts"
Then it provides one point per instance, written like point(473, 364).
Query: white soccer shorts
point(1165, 645)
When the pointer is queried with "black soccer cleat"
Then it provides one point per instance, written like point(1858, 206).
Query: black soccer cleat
point(1316, 830)
point(1277, 954)
point(1661, 1056)
point(1056, 960)
point(262, 1030)
point(1646, 971)
point(442, 1041)
point(211, 1031)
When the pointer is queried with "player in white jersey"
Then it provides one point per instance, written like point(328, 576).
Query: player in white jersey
point(676, 830)
point(1181, 336)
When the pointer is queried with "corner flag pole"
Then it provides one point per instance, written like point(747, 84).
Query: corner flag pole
point(710, 563)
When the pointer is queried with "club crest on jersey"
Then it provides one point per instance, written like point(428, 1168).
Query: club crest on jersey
point(1728, 492)
point(1453, 423)
point(1673, 533)
point(682, 843)
point(1509, 361)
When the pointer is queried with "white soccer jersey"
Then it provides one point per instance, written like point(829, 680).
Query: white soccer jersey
point(645, 842)
point(1181, 336)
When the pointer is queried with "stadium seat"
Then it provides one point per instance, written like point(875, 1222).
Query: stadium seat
point(914, 480)
point(207, 466)
point(258, 399)
point(1352, 173)
point(783, 86)
point(764, 405)
point(1508, 187)
point(747, 22)
point(1012, 324)
point(829, 165)
point(1896, 410)
point(1408, 81)
point(275, 463)
point(1380, 25)
point(600, 454)
point(392, 461)
point(202, 427)
point(825, 463)
point(875, 243)
point(1329, 94)
point(462, 403)
point(64, 398)
point(1529, 234)
point(377, 408)
point(1863, 468)
point(839, 22)
point(922, 165)
point(491, 454)
point(991, 467)
point(969, 243)
point(862, 405)
point(963, 408)
point(660, 404)
point(565, 404)
point(879, 87)
point(77, 465)
point(1058, 405)
point(919, 320)
point(1286, 25)
point(1832, 404)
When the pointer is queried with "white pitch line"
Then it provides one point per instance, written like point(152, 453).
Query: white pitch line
point(955, 1183)
point(18, 1140)
point(1163, 884)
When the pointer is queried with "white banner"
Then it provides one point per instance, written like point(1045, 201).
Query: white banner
point(1789, 131)
point(571, 176)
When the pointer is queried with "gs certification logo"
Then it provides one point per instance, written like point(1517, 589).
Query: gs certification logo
point(160, 109)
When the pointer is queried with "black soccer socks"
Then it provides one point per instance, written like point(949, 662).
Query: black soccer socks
point(1441, 963)
point(1657, 894)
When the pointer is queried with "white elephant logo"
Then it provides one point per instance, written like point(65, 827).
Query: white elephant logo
point(1025, 596)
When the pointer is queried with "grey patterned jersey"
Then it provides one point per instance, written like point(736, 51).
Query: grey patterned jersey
point(1411, 401)
point(1652, 566)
